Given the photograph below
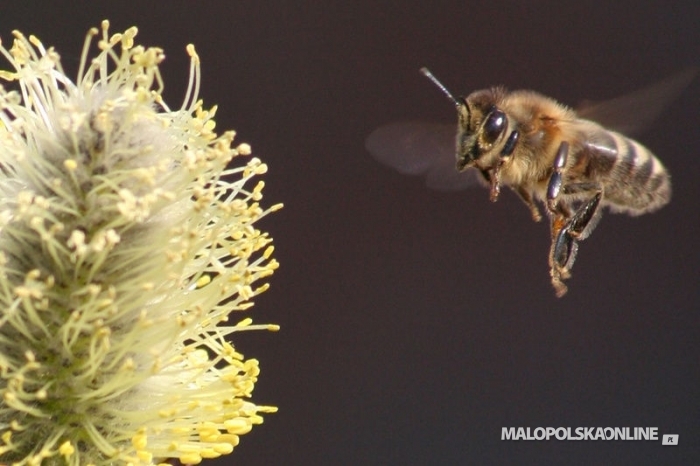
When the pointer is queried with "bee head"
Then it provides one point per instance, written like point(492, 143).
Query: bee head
point(480, 130)
point(480, 125)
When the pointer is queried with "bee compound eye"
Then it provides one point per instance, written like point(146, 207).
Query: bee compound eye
point(493, 126)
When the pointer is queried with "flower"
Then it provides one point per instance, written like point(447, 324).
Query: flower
point(125, 243)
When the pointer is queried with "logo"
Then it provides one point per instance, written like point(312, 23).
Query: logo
point(669, 439)
point(587, 433)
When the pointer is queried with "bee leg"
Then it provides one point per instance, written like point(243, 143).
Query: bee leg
point(564, 246)
point(565, 236)
point(561, 253)
point(526, 197)
point(585, 220)
point(495, 178)
point(556, 178)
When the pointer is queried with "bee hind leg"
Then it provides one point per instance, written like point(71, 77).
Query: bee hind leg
point(566, 233)
point(561, 258)
point(556, 179)
point(585, 220)
point(568, 229)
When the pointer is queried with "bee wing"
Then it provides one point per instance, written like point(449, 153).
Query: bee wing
point(633, 112)
point(419, 148)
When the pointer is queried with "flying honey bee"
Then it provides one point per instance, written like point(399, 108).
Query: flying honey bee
point(543, 151)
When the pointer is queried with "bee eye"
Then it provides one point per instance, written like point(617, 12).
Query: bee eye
point(493, 126)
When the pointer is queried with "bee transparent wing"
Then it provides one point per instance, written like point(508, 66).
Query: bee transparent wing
point(419, 148)
point(634, 112)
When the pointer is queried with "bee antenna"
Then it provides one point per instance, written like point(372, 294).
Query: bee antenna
point(426, 72)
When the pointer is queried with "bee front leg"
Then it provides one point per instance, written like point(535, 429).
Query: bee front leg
point(526, 197)
point(495, 177)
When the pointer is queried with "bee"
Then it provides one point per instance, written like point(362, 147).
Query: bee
point(544, 151)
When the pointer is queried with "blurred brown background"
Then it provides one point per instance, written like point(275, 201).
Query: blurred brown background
point(416, 324)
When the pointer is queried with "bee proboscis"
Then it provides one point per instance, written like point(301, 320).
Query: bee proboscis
point(543, 151)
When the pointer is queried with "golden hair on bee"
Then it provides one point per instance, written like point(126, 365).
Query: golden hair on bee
point(543, 151)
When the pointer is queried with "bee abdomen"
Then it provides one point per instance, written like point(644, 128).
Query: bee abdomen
point(638, 182)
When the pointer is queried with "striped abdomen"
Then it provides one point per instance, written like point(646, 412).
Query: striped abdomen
point(632, 178)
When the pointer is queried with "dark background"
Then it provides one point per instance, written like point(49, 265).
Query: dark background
point(415, 323)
